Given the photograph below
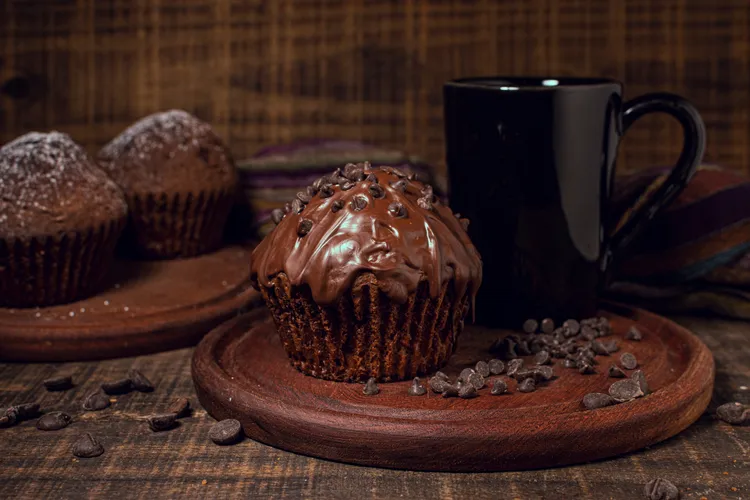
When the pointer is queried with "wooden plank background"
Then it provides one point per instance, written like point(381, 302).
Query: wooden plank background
point(271, 71)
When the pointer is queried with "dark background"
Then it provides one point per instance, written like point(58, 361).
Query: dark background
point(269, 72)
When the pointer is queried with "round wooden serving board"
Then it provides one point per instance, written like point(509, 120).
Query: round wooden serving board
point(146, 307)
point(241, 371)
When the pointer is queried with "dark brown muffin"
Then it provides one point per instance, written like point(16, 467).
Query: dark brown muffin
point(367, 275)
point(179, 181)
point(60, 218)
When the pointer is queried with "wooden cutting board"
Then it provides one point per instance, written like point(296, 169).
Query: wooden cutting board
point(241, 371)
point(146, 307)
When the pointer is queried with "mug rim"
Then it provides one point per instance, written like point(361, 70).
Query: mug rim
point(532, 83)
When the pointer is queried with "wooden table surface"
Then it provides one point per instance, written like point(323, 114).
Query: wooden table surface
point(710, 459)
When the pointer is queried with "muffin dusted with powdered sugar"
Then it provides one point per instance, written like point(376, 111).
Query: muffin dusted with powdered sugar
point(60, 219)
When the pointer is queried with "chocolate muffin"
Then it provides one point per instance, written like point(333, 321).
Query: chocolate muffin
point(367, 275)
point(60, 219)
point(179, 181)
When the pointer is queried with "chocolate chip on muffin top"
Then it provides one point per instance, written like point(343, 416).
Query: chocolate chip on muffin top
point(366, 219)
point(49, 185)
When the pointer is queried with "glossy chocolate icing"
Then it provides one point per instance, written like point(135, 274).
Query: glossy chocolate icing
point(366, 219)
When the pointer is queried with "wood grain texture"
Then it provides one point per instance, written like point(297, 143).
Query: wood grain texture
point(268, 72)
point(707, 460)
point(241, 371)
point(145, 307)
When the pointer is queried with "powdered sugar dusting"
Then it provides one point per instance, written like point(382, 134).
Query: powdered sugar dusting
point(48, 183)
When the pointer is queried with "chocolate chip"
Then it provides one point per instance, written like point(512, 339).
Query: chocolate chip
point(140, 382)
point(530, 326)
point(96, 401)
point(438, 385)
point(585, 367)
point(465, 374)
point(337, 205)
point(573, 326)
point(476, 380)
point(598, 348)
point(311, 191)
point(61, 383)
point(121, 386)
point(371, 387)
point(297, 206)
point(179, 408)
point(87, 447)
point(287, 208)
point(377, 191)
point(546, 372)
point(522, 347)
point(416, 388)
point(588, 332)
point(348, 169)
point(482, 368)
point(513, 366)
point(464, 224)
point(570, 363)
point(731, 413)
point(441, 375)
point(225, 432)
point(625, 390)
point(412, 176)
point(347, 185)
point(548, 325)
point(26, 410)
point(304, 227)
point(427, 192)
point(640, 378)
point(277, 215)
point(468, 391)
point(450, 391)
point(396, 171)
point(616, 372)
point(594, 400)
point(527, 385)
point(611, 346)
point(661, 489)
point(604, 326)
point(628, 361)
point(424, 203)
point(53, 421)
point(634, 334)
point(399, 185)
point(9, 418)
point(496, 366)
point(542, 358)
point(499, 386)
point(326, 191)
point(359, 202)
point(303, 197)
point(161, 422)
point(318, 183)
point(524, 373)
point(397, 210)
point(505, 348)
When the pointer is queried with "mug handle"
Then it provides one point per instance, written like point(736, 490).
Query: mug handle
point(694, 145)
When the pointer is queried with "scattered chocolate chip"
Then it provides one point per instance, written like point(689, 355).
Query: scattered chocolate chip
point(588, 332)
point(304, 227)
point(594, 400)
point(297, 206)
point(524, 373)
point(611, 346)
point(96, 401)
point(225, 432)
point(598, 348)
point(640, 378)
point(464, 223)
point(499, 386)
point(530, 326)
point(505, 348)
point(140, 382)
point(121, 386)
point(53, 421)
point(513, 366)
point(476, 380)
point(326, 191)
point(527, 385)
point(416, 388)
point(628, 361)
point(397, 210)
point(634, 334)
point(371, 387)
point(450, 391)
point(438, 385)
point(604, 326)
point(572, 326)
point(482, 368)
point(277, 215)
point(87, 447)
point(546, 372)
point(26, 410)
point(424, 203)
point(570, 363)
point(61, 383)
point(467, 391)
point(548, 325)
point(542, 358)
point(731, 413)
point(399, 185)
point(625, 390)
point(303, 197)
point(616, 372)
point(661, 489)
point(346, 185)
point(161, 422)
point(585, 367)
point(376, 190)
point(180, 407)
point(441, 375)
point(465, 374)
point(359, 202)
point(496, 366)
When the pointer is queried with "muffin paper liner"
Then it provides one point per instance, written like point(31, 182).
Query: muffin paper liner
point(164, 226)
point(44, 271)
point(366, 334)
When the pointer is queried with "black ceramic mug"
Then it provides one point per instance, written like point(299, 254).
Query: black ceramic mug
point(531, 164)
